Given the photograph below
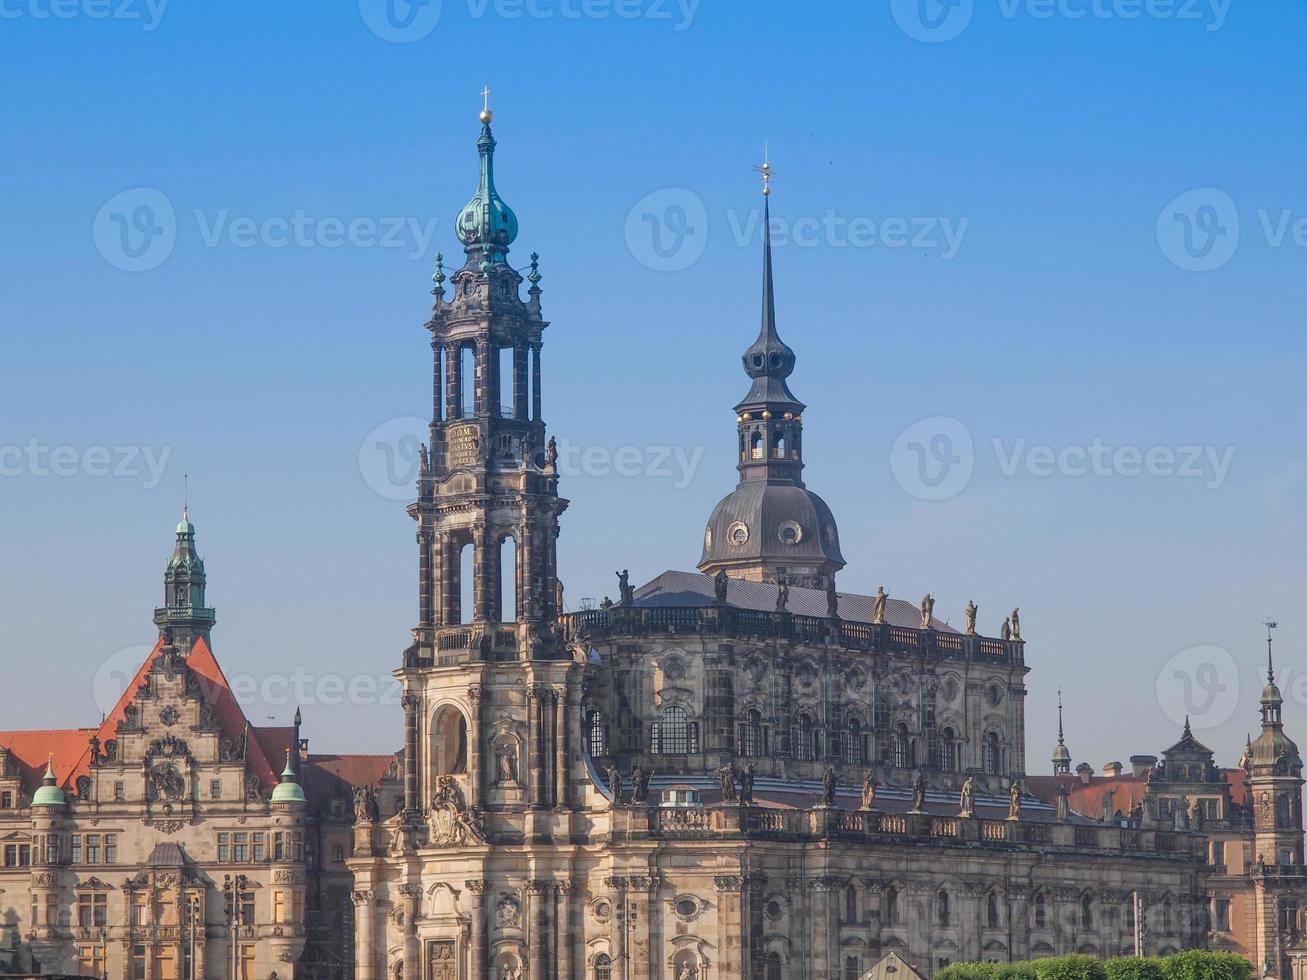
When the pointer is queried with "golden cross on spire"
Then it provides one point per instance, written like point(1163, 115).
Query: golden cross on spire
point(765, 170)
point(486, 114)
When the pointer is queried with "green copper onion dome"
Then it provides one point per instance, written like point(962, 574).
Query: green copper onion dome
point(288, 790)
point(487, 222)
point(49, 793)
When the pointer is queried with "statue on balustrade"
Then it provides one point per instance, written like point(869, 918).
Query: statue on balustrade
point(967, 805)
point(868, 791)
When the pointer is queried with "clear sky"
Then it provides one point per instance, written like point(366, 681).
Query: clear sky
point(1012, 320)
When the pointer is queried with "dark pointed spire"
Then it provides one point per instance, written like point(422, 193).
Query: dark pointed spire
point(769, 361)
point(1188, 732)
point(1061, 754)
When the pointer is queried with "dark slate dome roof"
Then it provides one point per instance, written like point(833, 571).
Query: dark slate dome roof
point(771, 520)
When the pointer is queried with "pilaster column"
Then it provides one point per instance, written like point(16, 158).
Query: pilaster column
point(537, 898)
point(424, 578)
point(481, 573)
point(452, 366)
point(820, 943)
point(477, 936)
point(410, 702)
point(412, 893)
point(732, 928)
point(802, 942)
point(475, 745)
point(526, 593)
point(644, 948)
point(560, 746)
point(535, 382)
point(616, 886)
point(519, 381)
point(535, 723)
point(565, 934)
point(486, 397)
point(365, 925)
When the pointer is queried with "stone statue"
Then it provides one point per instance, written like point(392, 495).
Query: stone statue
point(558, 596)
point(832, 601)
point(1180, 817)
point(639, 785)
point(624, 587)
point(505, 763)
point(1016, 624)
point(720, 583)
point(551, 454)
point(868, 791)
point(971, 618)
point(782, 593)
point(1014, 801)
point(967, 805)
point(1196, 816)
point(1108, 811)
point(606, 604)
point(746, 785)
point(365, 805)
point(727, 776)
point(1063, 802)
point(918, 792)
point(615, 784)
point(688, 972)
point(878, 607)
point(1007, 629)
point(829, 782)
point(95, 751)
point(927, 610)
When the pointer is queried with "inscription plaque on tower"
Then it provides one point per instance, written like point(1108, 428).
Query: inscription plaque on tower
point(464, 446)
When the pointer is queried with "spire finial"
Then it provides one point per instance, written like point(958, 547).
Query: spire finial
point(186, 496)
point(1188, 732)
point(765, 169)
point(1270, 664)
point(1060, 740)
point(486, 114)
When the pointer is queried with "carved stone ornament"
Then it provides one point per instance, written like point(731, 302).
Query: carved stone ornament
point(450, 824)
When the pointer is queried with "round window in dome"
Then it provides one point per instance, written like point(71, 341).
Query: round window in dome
point(738, 533)
point(790, 532)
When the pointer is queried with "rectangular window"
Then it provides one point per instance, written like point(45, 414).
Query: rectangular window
point(92, 848)
point(24, 855)
point(11, 855)
point(259, 849)
point(138, 963)
point(247, 909)
point(279, 847)
point(224, 848)
point(1221, 915)
point(7, 799)
point(240, 848)
point(75, 849)
point(296, 907)
point(90, 961)
point(120, 790)
point(84, 911)
point(246, 970)
point(140, 909)
point(52, 849)
point(298, 854)
point(338, 853)
point(165, 962)
point(52, 910)
point(279, 907)
point(110, 848)
point(215, 789)
point(1218, 852)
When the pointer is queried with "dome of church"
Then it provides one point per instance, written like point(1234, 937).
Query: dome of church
point(487, 220)
point(774, 521)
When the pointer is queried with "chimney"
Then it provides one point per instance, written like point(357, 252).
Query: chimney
point(1112, 769)
point(1085, 771)
point(1141, 765)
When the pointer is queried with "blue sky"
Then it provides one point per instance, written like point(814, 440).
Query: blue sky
point(1039, 258)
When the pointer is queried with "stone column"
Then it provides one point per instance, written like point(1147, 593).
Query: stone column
point(412, 894)
point(477, 933)
point(519, 381)
point(526, 593)
point(616, 886)
point(535, 382)
point(800, 939)
point(565, 935)
point(535, 716)
point(560, 746)
point(365, 953)
point(537, 898)
point(452, 365)
point(482, 585)
point(410, 701)
point(644, 948)
point(424, 578)
point(487, 399)
point(475, 747)
point(819, 948)
point(732, 927)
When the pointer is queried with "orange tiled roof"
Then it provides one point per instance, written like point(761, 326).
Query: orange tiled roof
point(1127, 789)
point(31, 751)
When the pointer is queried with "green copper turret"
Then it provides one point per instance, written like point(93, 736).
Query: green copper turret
point(487, 225)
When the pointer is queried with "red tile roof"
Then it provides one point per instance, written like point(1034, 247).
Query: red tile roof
point(32, 750)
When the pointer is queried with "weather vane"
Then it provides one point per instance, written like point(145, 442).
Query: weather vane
point(765, 170)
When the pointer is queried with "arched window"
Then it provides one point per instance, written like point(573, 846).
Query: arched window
point(942, 911)
point(773, 966)
point(450, 736)
point(595, 734)
point(467, 370)
point(855, 750)
point(993, 755)
point(891, 906)
point(1086, 912)
point(1166, 917)
point(1041, 911)
point(948, 750)
point(1282, 811)
point(902, 748)
point(805, 746)
point(755, 445)
point(508, 579)
point(850, 904)
point(991, 911)
point(673, 732)
point(778, 444)
point(603, 967)
point(751, 733)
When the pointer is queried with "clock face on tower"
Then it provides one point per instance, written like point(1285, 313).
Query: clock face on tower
point(182, 595)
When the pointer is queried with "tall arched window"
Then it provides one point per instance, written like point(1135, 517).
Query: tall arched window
point(993, 755)
point(595, 734)
point(508, 579)
point(773, 966)
point(948, 750)
point(755, 445)
point(855, 751)
point(1086, 912)
point(603, 967)
point(1166, 916)
point(942, 911)
point(805, 746)
point(673, 733)
point(751, 733)
point(991, 911)
point(891, 906)
point(450, 736)
point(902, 747)
point(467, 372)
point(850, 904)
point(1041, 911)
